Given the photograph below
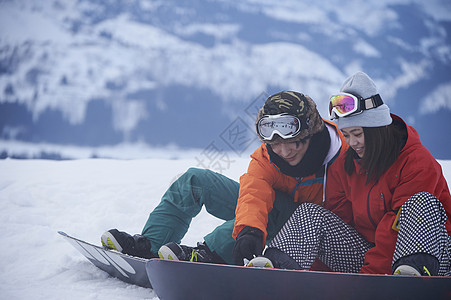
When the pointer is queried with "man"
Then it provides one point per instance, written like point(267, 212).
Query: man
point(287, 169)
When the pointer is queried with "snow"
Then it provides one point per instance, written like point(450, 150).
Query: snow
point(84, 198)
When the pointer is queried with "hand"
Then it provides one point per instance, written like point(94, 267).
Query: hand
point(249, 243)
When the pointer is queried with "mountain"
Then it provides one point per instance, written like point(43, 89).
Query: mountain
point(191, 74)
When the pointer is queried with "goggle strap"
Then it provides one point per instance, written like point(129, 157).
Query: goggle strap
point(371, 102)
point(304, 122)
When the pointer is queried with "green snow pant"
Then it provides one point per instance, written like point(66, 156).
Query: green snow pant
point(184, 199)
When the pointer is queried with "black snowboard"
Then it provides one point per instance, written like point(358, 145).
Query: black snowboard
point(127, 268)
point(186, 280)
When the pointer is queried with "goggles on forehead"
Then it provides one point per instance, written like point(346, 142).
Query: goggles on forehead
point(285, 125)
point(345, 104)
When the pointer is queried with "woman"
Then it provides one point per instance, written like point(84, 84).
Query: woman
point(287, 169)
point(389, 202)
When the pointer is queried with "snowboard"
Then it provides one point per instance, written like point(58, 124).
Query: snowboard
point(122, 266)
point(186, 280)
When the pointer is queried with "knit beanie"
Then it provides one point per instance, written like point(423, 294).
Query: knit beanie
point(295, 104)
point(360, 84)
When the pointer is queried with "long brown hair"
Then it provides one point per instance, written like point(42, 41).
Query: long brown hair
point(382, 148)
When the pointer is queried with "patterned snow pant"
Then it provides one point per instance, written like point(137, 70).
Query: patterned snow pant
point(313, 231)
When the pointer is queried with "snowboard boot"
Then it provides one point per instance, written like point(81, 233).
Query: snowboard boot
point(136, 245)
point(417, 264)
point(274, 258)
point(406, 270)
point(201, 253)
point(260, 262)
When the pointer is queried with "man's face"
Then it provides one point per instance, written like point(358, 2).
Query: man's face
point(293, 152)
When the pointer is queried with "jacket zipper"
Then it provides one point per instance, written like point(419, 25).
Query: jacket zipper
point(299, 181)
point(383, 200)
point(368, 207)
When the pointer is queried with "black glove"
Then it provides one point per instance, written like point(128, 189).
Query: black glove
point(249, 242)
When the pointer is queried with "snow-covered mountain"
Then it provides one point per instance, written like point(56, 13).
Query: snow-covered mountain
point(191, 73)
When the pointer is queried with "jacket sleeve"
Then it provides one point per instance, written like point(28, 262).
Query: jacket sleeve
point(419, 173)
point(378, 260)
point(256, 196)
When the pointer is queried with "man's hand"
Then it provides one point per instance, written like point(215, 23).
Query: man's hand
point(249, 243)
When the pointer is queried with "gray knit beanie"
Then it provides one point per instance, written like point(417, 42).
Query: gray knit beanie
point(360, 84)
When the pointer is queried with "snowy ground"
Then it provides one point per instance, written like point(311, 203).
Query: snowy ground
point(83, 198)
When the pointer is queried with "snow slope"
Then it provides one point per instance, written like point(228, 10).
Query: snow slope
point(83, 198)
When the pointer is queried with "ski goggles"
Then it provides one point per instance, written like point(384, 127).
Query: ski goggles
point(345, 104)
point(285, 125)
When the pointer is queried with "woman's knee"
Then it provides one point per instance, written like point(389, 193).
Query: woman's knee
point(423, 200)
point(421, 205)
point(309, 212)
point(312, 208)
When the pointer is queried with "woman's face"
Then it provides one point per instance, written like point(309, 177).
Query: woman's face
point(292, 153)
point(355, 138)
